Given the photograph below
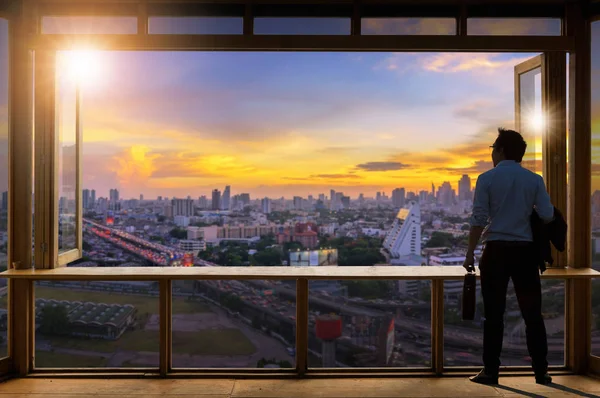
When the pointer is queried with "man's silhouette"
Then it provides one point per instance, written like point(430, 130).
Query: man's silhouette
point(505, 197)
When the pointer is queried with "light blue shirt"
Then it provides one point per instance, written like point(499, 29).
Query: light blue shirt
point(505, 197)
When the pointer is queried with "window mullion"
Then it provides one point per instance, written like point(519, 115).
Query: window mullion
point(46, 210)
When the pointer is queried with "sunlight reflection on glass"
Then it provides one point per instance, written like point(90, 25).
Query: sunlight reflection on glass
point(83, 67)
point(536, 121)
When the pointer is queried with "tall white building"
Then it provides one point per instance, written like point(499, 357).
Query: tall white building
point(404, 239)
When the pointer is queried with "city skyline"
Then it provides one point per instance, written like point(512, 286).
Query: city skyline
point(315, 196)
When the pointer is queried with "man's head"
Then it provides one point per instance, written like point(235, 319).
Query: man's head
point(509, 145)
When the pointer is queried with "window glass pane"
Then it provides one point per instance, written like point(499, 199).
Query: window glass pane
point(196, 25)
point(532, 119)
point(234, 324)
point(66, 93)
point(596, 186)
point(96, 324)
point(3, 182)
point(89, 25)
point(302, 26)
point(463, 340)
point(514, 26)
point(243, 158)
point(408, 26)
point(369, 324)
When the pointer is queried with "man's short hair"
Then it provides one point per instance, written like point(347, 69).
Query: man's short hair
point(512, 143)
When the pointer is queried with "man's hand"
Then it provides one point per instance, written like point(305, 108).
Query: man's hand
point(469, 263)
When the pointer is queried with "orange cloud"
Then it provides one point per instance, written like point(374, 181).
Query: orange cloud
point(480, 63)
point(463, 62)
point(134, 165)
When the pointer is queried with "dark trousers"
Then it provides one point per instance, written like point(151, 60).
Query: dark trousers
point(500, 262)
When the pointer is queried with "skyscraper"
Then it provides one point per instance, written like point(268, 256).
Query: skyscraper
point(203, 202)
point(245, 199)
point(226, 202)
point(183, 207)
point(114, 199)
point(141, 197)
point(464, 188)
point(404, 238)
point(445, 194)
point(114, 195)
point(266, 205)
point(398, 197)
point(297, 203)
point(93, 198)
point(216, 199)
point(5, 200)
point(85, 198)
point(345, 202)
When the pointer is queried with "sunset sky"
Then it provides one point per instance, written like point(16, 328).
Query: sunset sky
point(292, 123)
point(282, 124)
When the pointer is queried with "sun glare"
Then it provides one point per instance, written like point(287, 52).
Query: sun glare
point(84, 67)
point(537, 121)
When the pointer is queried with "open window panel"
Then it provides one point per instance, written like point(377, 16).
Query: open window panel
point(58, 204)
point(541, 117)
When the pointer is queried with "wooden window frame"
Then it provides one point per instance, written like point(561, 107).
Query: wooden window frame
point(166, 275)
point(46, 168)
point(5, 361)
point(593, 360)
point(575, 40)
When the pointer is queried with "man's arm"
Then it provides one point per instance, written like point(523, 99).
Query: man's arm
point(543, 204)
point(479, 220)
point(474, 236)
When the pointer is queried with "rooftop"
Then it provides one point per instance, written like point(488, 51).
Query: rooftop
point(89, 313)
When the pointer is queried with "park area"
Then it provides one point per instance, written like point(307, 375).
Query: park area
point(202, 334)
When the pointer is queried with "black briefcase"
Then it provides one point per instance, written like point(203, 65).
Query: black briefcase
point(468, 297)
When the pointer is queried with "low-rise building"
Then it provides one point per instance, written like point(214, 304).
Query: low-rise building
point(91, 320)
point(192, 246)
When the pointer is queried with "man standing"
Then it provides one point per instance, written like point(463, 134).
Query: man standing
point(505, 198)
